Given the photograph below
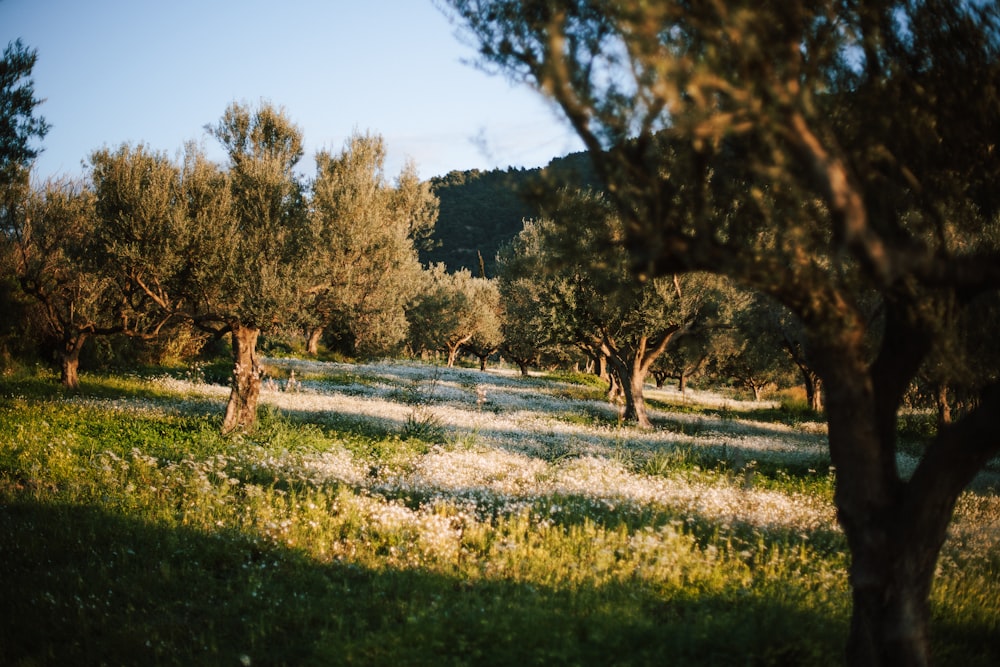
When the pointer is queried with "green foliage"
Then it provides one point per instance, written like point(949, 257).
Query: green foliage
point(19, 126)
point(366, 230)
point(916, 430)
point(423, 424)
point(796, 409)
point(479, 212)
point(452, 311)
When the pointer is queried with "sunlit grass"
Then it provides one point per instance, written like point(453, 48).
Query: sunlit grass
point(471, 523)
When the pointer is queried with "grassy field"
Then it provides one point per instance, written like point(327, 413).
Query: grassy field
point(414, 515)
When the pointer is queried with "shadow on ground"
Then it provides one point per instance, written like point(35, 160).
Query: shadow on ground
point(86, 586)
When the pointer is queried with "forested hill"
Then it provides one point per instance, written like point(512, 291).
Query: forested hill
point(482, 210)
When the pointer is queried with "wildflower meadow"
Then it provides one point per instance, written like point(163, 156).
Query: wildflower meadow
point(411, 514)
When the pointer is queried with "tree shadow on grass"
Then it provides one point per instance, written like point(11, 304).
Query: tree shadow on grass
point(85, 586)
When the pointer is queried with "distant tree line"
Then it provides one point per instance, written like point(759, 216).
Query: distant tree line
point(480, 211)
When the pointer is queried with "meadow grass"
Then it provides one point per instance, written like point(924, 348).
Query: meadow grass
point(402, 514)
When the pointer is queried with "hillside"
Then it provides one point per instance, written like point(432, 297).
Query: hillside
point(482, 210)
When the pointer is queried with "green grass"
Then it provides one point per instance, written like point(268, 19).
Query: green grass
point(789, 413)
point(131, 532)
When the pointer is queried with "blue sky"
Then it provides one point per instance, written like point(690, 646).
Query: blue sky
point(158, 71)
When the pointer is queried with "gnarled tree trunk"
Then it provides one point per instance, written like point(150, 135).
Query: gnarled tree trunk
point(633, 380)
point(631, 375)
point(895, 527)
point(312, 341)
point(69, 361)
point(241, 411)
point(631, 364)
point(453, 348)
point(892, 555)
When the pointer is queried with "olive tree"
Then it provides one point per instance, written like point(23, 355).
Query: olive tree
point(228, 249)
point(367, 230)
point(758, 355)
point(55, 264)
point(450, 309)
point(600, 307)
point(525, 326)
point(826, 153)
point(484, 300)
point(263, 281)
point(712, 338)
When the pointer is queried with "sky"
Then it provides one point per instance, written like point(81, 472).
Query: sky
point(157, 71)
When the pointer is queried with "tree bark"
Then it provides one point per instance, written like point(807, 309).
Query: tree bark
point(943, 407)
point(454, 347)
point(634, 394)
point(601, 371)
point(312, 341)
point(69, 362)
point(895, 528)
point(615, 390)
point(814, 393)
point(632, 379)
point(893, 548)
point(241, 411)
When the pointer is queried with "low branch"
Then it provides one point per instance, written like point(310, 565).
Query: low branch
point(959, 452)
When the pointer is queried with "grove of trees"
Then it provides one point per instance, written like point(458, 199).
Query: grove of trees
point(600, 309)
point(786, 194)
point(147, 246)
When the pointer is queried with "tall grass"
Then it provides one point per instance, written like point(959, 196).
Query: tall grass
point(429, 532)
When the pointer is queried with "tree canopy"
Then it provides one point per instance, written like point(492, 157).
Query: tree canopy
point(19, 124)
point(833, 155)
point(367, 231)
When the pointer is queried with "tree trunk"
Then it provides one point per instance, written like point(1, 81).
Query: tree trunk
point(312, 341)
point(523, 367)
point(632, 380)
point(600, 368)
point(241, 412)
point(614, 386)
point(69, 362)
point(893, 548)
point(482, 362)
point(890, 618)
point(682, 382)
point(814, 393)
point(894, 528)
point(454, 347)
point(634, 391)
point(943, 408)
